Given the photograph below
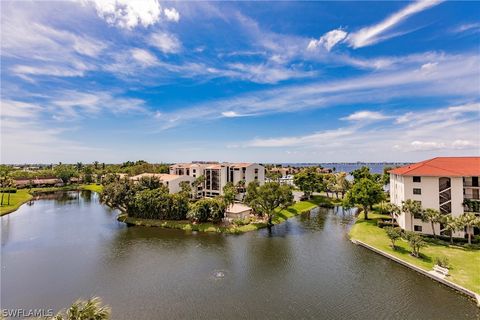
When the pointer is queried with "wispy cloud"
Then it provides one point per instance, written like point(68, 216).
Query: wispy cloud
point(165, 42)
point(171, 14)
point(371, 88)
point(365, 116)
point(445, 131)
point(373, 34)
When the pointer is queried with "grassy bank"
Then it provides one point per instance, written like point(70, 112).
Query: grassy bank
point(280, 216)
point(464, 262)
point(92, 187)
point(24, 195)
point(16, 200)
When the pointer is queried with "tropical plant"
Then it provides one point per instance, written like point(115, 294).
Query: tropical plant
point(411, 208)
point(416, 242)
point(91, 309)
point(393, 210)
point(451, 225)
point(433, 216)
point(468, 221)
point(393, 234)
point(365, 193)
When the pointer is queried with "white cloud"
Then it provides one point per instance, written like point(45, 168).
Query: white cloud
point(456, 76)
point(427, 145)
point(328, 40)
point(171, 14)
point(167, 43)
point(468, 27)
point(144, 57)
point(373, 34)
point(443, 135)
point(128, 14)
point(70, 104)
point(365, 116)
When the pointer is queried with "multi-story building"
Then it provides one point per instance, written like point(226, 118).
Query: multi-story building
point(171, 181)
point(217, 175)
point(447, 184)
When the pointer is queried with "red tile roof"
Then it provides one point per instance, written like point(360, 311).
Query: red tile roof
point(442, 166)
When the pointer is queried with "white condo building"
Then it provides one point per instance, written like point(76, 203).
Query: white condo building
point(171, 181)
point(447, 184)
point(217, 175)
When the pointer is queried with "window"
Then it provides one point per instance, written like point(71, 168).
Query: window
point(417, 228)
point(417, 179)
point(474, 181)
point(417, 191)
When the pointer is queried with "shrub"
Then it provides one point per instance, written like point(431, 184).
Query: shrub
point(207, 210)
point(416, 242)
point(442, 262)
point(393, 234)
point(8, 190)
point(386, 223)
point(241, 222)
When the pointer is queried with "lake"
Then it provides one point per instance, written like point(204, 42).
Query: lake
point(59, 249)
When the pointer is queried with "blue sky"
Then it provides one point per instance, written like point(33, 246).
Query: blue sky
point(239, 81)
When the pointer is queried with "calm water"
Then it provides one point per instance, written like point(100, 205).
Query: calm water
point(55, 251)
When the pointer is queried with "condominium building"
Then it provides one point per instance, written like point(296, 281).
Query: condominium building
point(171, 181)
point(217, 175)
point(447, 184)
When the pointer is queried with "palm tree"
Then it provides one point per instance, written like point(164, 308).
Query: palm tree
point(412, 208)
point(451, 224)
point(95, 164)
point(85, 310)
point(393, 210)
point(468, 221)
point(433, 216)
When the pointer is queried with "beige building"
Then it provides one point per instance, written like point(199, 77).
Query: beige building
point(172, 181)
point(446, 184)
point(217, 175)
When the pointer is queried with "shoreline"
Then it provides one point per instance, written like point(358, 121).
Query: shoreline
point(281, 216)
point(29, 194)
point(429, 274)
point(367, 234)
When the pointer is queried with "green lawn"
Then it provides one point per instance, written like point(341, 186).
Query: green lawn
point(92, 187)
point(16, 200)
point(464, 263)
point(23, 195)
point(300, 207)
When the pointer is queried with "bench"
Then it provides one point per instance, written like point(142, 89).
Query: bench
point(443, 271)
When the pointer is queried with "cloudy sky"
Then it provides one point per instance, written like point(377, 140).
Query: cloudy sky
point(269, 82)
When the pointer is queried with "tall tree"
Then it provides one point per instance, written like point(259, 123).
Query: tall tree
point(365, 193)
point(229, 193)
point(411, 208)
point(308, 181)
point(451, 225)
point(268, 197)
point(468, 221)
point(433, 216)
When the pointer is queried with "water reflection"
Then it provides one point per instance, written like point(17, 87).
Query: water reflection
point(69, 245)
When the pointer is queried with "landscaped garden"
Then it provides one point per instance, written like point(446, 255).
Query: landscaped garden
point(463, 261)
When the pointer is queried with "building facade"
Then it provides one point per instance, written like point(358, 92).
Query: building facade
point(447, 184)
point(172, 181)
point(217, 175)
